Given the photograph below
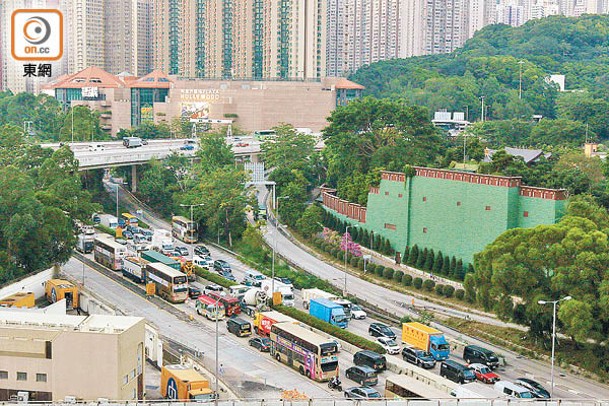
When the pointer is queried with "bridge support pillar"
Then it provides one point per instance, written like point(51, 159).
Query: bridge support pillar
point(254, 158)
point(134, 178)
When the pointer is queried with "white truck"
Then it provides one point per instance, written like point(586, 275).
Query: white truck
point(84, 243)
point(314, 293)
point(254, 300)
point(162, 241)
point(287, 295)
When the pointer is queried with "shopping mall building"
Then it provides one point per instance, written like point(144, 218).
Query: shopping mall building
point(125, 101)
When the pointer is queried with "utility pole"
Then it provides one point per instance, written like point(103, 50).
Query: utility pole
point(520, 63)
point(482, 108)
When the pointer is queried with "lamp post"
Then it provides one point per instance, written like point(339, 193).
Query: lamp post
point(554, 303)
point(216, 349)
point(520, 63)
point(192, 251)
point(346, 254)
point(275, 244)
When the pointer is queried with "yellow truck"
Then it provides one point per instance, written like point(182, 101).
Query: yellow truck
point(426, 338)
point(184, 383)
point(58, 289)
point(19, 299)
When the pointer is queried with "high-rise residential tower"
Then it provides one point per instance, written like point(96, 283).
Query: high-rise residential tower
point(240, 39)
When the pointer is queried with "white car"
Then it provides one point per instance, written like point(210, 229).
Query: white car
point(203, 262)
point(389, 344)
point(357, 312)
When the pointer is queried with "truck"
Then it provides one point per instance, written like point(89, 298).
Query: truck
point(162, 241)
point(426, 338)
point(186, 266)
point(308, 294)
point(135, 268)
point(346, 304)
point(19, 299)
point(328, 311)
point(184, 383)
point(255, 299)
point(58, 289)
point(153, 256)
point(264, 320)
point(84, 243)
point(287, 295)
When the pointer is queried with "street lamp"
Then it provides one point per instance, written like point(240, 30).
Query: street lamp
point(117, 188)
point(554, 303)
point(520, 63)
point(346, 254)
point(192, 251)
point(275, 245)
point(216, 349)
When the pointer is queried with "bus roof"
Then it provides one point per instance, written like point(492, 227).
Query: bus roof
point(279, 317)
point(181, 218)
point(110, 242)
point(128, 215)
point(301, 332)
point(167, 270)
point(417, 386)
point(208, 300)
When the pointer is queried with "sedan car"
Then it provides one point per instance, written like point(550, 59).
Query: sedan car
point(357, 312)
point(389, 344)
point(534, 387)
point(202, 250)
point(193, 292)
point(362, 392)
point(183, 251)
point(263, 344)
point(381, 330)
point(418, 357)
point(484, 373)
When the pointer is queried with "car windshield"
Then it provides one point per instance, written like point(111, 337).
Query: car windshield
point(484, 370)
point(355, 308)
point(265, 341)
point(525, 395)
point(374, 395)
point(469, 374)
point(386, 330)
point(391, 343)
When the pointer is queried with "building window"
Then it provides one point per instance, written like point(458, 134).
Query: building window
point(41, 377)
point(390, 226)
point(488, 208)
point(126, 379)
point(424, 230)
point(525, 214)
point(3, 374)
point(424, 198)
point(22, 376)
point(458, 203)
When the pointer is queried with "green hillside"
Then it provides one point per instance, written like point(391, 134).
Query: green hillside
point(488, 65)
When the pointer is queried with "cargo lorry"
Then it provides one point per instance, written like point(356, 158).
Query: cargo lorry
point(19, 299)
point(328, 311)
point(184, 383)
point(134, 268)
point(308, 294)
point(426, 338)
point(264, 320)
point(58, 289)
point(84, 243)
point(287, 295)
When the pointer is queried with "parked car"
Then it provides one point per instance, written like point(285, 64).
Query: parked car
point(193, 292)
point(221, 265)
point(381, 330)
point(534, 387)
point(202, 250)
point(187, 147)
point(357, 312)
point(418, 357)
point(389, 344)
point(212, 288)
point(263, 344)
point(363, 375)
point(484, 373)
point(362, 392)
point(181, 251)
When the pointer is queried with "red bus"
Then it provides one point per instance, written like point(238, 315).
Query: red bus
point(231, 304)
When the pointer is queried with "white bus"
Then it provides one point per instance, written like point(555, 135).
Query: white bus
point(184, 229)
point(171, 284)
point(109, 253)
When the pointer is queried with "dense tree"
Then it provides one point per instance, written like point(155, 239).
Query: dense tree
point(81, 124)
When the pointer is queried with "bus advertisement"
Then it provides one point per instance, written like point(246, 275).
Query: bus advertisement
point(231, 304)
point(109, 253)
point(309, 353)
point(171, 284)
point(184, 229)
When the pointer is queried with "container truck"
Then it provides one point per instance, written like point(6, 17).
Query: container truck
point(426, 338)
point(184, 383)
point(308, 294)
point(84, 243)
point(287, 295)
point(328, 311)
point(19, 299)
point(135, 268)
point(264, 320)
point(58, 289)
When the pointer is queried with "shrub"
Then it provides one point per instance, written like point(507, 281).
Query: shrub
point(406, 280)
point(406, 319)
point(353, 261)
point(213, 277)
point(333, 251)
point(340, 255)
point(371, 267)
point(428, 285)
point(413, 255)
point(360, 263)
point(388, 273)
point(380, 269)
point(397, 276)
point(417, 282)
point(449, 291)
point(440, 289)
point(328, 328)
point(429, 260)
point(460, 294)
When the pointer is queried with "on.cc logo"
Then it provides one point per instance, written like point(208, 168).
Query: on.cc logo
point(37, 35)
point(36, 30)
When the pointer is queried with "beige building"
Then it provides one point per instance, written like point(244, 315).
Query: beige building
point(246, 39)
point(54, 356)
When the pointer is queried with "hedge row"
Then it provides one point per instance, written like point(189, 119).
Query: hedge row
point(328, 328)
point(214, 278)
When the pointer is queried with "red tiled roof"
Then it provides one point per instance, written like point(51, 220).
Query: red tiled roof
point(343, 83)
point(155, 79)
point(89, 77)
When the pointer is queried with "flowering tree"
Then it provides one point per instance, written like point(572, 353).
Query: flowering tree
point(348, 245)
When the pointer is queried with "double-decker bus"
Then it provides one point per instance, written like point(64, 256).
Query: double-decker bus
point(231, 304)
point(209, 307)
point(184, 229)
point(171, 284)
point(130, 219)
point(109, 253)
point(311, 354)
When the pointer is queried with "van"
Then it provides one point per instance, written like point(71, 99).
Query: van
point(371, 359)
point(473, 354)
point(239, 327)
point(511, 390)
point(132, 142)
point(253, 278)
point(456, 372)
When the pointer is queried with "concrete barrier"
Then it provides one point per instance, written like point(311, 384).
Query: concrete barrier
point(33, 283)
